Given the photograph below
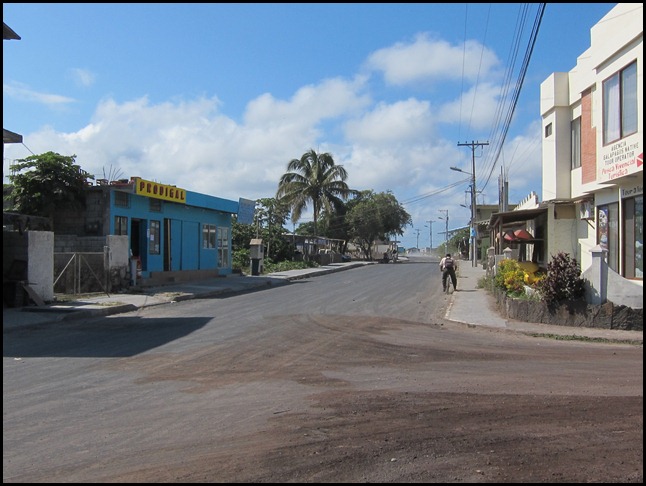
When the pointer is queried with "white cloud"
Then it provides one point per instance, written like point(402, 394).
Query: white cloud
point(22, 92)
point(397, 145)
point(427, 59)
point(475, 109)
point(309, 105)
point(82, 77)
point(523, 164)
point(397, 123)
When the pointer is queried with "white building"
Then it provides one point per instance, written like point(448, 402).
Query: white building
point(593, 146)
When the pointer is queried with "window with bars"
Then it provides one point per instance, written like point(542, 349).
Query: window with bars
point(155, 205)
point(121, 199)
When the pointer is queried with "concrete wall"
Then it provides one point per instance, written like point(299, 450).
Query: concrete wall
point(561, 229)
point(119, 269)
point(604, 284)
point(41, 263)
point(36, 248)
point(119, 251)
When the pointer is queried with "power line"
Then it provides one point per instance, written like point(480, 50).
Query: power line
point(435, 193)
point(519, 85)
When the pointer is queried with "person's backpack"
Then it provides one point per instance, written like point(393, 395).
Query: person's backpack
point(448, 262)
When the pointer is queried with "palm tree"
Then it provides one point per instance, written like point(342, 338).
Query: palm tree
point(315, 179)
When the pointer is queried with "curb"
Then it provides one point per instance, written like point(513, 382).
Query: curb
point(79, 314)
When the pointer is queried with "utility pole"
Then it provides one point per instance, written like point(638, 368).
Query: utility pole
point(474, 224)
point(503, 192)
point(417, 238)
point(430, 233)
point(446, 226)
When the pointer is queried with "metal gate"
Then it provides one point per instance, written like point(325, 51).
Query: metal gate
point(80, 272)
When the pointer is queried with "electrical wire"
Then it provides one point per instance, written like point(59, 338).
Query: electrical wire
point(519, 85)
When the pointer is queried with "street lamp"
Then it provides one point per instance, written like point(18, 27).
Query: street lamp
point(472, 247)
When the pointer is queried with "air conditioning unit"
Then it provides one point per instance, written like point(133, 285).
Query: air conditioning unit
point(586, 210)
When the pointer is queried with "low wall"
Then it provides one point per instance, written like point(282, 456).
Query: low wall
point(573, 314)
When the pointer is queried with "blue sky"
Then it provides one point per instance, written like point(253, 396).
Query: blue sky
point(218, 98)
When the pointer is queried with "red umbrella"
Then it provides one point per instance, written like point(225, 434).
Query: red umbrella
point(509, 236)
point(521, 234)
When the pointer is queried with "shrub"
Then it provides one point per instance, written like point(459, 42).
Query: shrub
point(510, 277)
point(241, 259)
point(272, 267)
point(563, 280)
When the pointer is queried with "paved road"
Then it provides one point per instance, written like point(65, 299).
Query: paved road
point(254, 386)
point(472, 305)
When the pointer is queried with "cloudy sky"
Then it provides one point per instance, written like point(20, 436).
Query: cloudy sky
point(218, 98)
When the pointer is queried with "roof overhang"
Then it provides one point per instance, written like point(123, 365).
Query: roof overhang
point(516, 216)
point(8, 33)
point(10, 137)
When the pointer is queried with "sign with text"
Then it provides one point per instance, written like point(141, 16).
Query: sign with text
point(625, 157)
point(159, 191)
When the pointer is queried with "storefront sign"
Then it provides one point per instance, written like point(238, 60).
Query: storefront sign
point(632, 191)
point(159, 191)
point(621, 159)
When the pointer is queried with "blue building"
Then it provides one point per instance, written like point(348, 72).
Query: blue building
point(169, 229)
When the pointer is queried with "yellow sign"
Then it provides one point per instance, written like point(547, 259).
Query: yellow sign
point(159, 191)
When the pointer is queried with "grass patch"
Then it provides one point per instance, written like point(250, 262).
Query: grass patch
point(574, 337)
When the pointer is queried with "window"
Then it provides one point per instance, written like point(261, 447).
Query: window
point(634, 237)
point(620, 104)
point(121, 199)
point(208, 236)
point(608, 232)
point(223, 247)
point(155, 205)
point(575, 140)
point(120, 225)
point(548, 130)
point(154, 241)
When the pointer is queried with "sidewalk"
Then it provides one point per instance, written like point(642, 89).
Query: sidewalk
point(475, 306)
point(470, 305)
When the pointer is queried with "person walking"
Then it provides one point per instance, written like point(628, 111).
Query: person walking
point(448, 266)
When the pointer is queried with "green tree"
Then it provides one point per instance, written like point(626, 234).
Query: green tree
point(305, 229)
point(373, 217)
point(270, 217)
point(44, 183)
point(313, 179)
